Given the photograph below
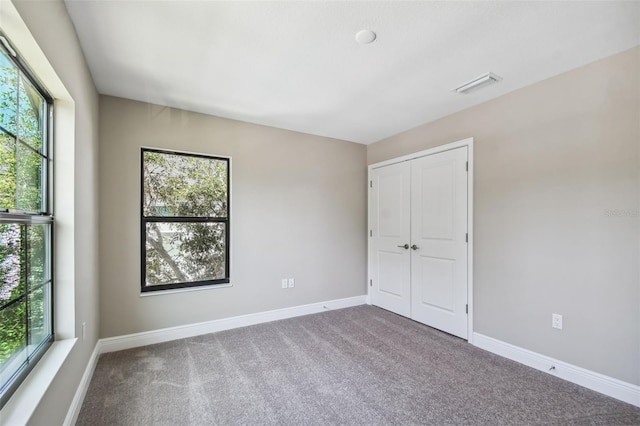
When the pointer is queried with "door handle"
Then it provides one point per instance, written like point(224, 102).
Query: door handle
point(406, 246)
point(414, 247)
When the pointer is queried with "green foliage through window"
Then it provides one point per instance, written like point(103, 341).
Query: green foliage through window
point(26, 290)
point(185, 220)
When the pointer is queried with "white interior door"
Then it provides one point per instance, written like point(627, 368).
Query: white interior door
point(390, 228)
point(438, 239)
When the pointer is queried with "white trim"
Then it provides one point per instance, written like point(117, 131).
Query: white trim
point(135, 340)
point(22, 404)
point(606, 385)
point(600, 383)
point(185, 289)
point(27, 397)
point(468, 142)
point(470, 180)
point(63, 168)
point(81, 391)
point(430, 151)
point(119, 343)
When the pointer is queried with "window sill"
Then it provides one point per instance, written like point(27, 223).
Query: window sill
point(25, 400)
point(184, 290)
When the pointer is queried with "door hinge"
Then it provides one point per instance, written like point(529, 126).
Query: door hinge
point(371, 232)
point(370, 184)
point(466, 308)
point(467, 166)
point(466, 237)
point(370, 283)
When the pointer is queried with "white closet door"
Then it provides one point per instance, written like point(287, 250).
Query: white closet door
point(438, 239)
point(390, 222)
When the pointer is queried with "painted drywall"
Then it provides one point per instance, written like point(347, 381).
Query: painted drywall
point(298, 210)
point(52, 29)
point(556, 212)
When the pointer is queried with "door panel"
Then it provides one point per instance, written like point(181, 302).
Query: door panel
point(390, 214)
point(436, 286)
point(390, 267)
point(436, 221)
point(390, 223)
point(439, 226)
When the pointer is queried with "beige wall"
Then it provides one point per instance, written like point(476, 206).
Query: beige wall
point(298, 211)
point(550, 161)
point(51, 27)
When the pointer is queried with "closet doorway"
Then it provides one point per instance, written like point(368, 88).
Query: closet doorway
point(420, 237)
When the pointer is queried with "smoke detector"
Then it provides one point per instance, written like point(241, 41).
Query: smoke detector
point(365, 36)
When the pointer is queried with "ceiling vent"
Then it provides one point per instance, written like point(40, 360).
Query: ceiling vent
point(477, 83)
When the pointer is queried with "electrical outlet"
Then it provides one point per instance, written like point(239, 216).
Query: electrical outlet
point(292, 283)
point(556, 321)
point(284, 283)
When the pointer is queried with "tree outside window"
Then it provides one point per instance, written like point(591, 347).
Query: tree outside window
point(185, 220)
point(26, 224)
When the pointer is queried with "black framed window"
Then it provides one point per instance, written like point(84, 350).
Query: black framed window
point(184, 223)
point(26, 221)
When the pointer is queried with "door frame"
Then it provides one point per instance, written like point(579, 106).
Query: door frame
point(468, 142)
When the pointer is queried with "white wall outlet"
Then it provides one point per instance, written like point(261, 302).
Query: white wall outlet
point(556, 321)
point(84, 330)
point(292, 283)
point(284, 283)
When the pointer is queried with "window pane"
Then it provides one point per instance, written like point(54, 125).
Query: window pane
point(185, 252)
point(183, 185)
point(8, 93)
point(38, 237)
point(11, 261)
point(13, 335)
point(31, 115)
point(28, 179)
point(26, 286)
point(7, 171)
point(39, 325)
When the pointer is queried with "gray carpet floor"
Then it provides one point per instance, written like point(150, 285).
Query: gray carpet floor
point(361, 366)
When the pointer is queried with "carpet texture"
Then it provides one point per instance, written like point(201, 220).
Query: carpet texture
point(360, 365)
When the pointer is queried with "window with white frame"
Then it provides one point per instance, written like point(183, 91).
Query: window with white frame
point(26, 220)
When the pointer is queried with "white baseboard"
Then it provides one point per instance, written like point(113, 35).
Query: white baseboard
point(112, 344)
point(78, 398)
point(129, 341)
point(606, 385)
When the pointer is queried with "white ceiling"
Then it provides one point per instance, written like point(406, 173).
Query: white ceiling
point(296, 65)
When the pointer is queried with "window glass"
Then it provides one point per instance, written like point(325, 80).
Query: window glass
point(11, 265)
point(32, 106)
point(8, 94)
point(28, 172)
point(185, 208)
point(26, 225)
point(182, 185)
point(185, 252)
point(13, 339)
